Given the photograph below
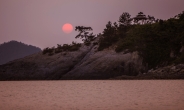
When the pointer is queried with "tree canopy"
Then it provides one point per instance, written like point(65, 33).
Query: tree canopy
point(84, 34)
point(157, 41)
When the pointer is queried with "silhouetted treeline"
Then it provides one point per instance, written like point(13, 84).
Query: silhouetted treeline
point(83, 34)
point(61, 48)
point(159, 42)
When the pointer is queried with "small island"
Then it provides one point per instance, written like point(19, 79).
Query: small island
point(140, 47)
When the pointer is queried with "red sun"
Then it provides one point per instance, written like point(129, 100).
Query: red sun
point(67, 28)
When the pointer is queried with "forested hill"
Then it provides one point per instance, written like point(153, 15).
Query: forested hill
point(13, 50)
point(139, 47)
point(159, 42)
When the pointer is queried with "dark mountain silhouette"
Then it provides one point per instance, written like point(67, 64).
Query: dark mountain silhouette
point(14, 50)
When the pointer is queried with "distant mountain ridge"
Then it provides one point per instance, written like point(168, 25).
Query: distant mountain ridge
point(14, 50)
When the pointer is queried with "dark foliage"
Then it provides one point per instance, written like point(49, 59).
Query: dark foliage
point(84, 34)
point(154, 39)
point(48, 50)
point(65, 47)
point(109, 36)
point(125, 19)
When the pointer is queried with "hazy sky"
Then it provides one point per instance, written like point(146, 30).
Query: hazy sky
point(39, 22)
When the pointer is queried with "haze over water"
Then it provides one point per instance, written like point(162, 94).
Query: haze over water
point(92, 95)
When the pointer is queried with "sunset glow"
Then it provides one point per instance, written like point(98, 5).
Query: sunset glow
point(67, 28)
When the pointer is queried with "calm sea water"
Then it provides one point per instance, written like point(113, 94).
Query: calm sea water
point(92, 95)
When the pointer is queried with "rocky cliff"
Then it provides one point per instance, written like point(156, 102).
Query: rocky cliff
point(86, 63)
point(174, 71)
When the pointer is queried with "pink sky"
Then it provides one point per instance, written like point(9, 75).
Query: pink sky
point(39, 22)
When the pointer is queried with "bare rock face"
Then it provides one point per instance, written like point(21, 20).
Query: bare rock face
point(166, 72)
point(39, 66)
point(106, 64)
point(86, 63)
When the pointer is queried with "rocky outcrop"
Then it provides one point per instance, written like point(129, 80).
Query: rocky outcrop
point(86, 63)
point(39, 66)
point(167, 72)
point(106, 64)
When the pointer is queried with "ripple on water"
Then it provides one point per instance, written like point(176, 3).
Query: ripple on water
point(85, 95)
